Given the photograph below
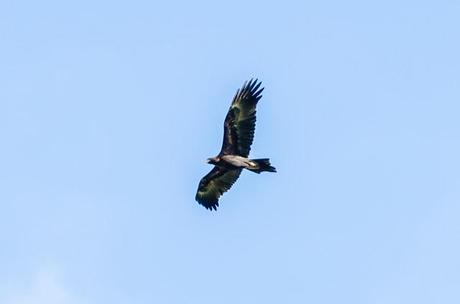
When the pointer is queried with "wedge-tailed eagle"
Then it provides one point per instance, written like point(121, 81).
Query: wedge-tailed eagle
point(239, 128)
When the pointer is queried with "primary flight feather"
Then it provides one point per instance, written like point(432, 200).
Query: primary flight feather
point(239, 126)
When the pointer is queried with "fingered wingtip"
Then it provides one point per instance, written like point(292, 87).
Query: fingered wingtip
point(212, 207)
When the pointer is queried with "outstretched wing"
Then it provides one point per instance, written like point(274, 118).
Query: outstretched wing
point(214, 184)
point(240, 121)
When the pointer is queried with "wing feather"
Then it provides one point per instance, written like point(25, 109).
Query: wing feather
point(240, 122)
point(214, 184)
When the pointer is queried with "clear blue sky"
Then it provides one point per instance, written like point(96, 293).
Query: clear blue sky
point(108, 110)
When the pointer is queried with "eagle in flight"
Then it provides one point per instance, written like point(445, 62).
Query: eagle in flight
point(239, 128)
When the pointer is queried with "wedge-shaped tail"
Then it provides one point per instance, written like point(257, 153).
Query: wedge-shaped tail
point(263, 164)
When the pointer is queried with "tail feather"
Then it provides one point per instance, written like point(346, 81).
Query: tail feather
point(262, 164)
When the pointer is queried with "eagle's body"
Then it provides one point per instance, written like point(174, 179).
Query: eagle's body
point(231, 162)
point(239, 161)
point(239, 129)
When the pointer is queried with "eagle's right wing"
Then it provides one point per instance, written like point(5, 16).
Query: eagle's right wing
point(214, 184)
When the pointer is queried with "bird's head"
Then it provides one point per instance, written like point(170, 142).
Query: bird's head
point(212, 160)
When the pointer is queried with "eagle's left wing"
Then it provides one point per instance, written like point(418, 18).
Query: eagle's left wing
point(240, 122)
point(214, 184)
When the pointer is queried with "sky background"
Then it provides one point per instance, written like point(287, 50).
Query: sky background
point(108, 110)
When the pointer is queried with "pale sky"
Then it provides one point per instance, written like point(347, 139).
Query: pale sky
point(108, 110)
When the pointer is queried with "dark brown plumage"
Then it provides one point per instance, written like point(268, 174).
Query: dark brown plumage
point(239, 126)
